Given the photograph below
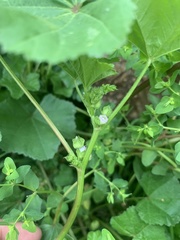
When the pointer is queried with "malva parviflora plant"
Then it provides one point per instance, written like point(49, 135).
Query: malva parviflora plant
point(72, 163)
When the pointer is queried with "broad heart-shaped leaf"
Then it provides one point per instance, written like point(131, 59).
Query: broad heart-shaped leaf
point(88, 70)
point(162, 205)
point(130, 224)
point(54, 32)
point(156, 29)
point(25, 132)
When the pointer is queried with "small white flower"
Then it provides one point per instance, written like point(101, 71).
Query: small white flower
point(103, 119)
point(82, 149)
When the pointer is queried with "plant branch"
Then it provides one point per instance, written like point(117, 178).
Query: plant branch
point(37, 106)
point(57, 213)
point(76, 206)
point(80, 186)
point(130, 92)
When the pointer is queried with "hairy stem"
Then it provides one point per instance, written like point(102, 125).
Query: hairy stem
point(57, 213)
point(130, 92)
point(37, 106)
point(80, 186)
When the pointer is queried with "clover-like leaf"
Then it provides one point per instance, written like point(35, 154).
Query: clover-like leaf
point(165, 105)
point(100, 235)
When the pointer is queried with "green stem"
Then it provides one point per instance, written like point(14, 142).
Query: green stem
point(130, 92)
point(111, 230)
point(80, 186)
point(78, 91)
point(76, 206)
point(57, 213)
point(38, 107)
point(82, 111)
point(107, 180)
point(167, 159)
point(90, 147)
point(45, 175)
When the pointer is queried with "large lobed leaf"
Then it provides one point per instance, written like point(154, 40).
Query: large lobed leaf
point(130, 224)
point(88, 70)
point(157, 27)
point(162, 205)
point(24, 131)
point(56, 31)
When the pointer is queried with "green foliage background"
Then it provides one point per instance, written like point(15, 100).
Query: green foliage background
point(53, 52)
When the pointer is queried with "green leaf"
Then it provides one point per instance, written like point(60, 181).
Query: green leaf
point(148, 157)
point(26, 132)
point(174, 56)
point(177, 153)
point(173, 123)
point(100, 235)
point(12, 234)
point(156, 30)
point(94, 235)
point(161, 168)
point(22, 171)
point(19, 67)
point(61, 178)
point(12, 215)
point(63, 83)
point(120, 183)
point(88, 70)
point(162, 205)
point(62, 114)
point(100, 182)
point(53, 200)
point(165, 105)
point(9, 166)
point(12, 201)
point(56, 33)
point(130, 224)
point(33, 211)
point(29, 226)
point(31, 180)
point(9, 169)
point(13, 176)
point(78, 142)
point(177, 231)
point(6, 191)
point(50, 232)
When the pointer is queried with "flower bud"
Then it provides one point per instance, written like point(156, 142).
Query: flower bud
point(78, 142)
